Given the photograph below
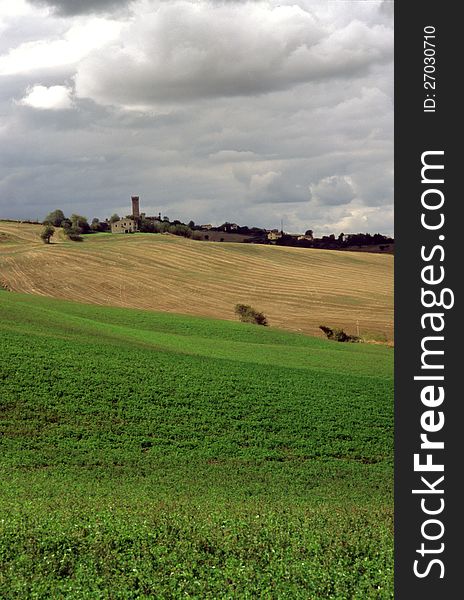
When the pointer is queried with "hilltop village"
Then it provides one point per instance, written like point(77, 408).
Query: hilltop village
point(138, 221)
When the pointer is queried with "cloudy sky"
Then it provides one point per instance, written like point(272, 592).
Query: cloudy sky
point(211, 110)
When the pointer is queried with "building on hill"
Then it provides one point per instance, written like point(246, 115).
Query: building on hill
point(124, 226)
point(135, 206)
point(274, 235)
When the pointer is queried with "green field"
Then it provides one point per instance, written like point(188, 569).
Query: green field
point(151, 455)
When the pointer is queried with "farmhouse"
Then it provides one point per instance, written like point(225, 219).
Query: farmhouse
point(124, 226)
point(274, 234)
point(129, 224)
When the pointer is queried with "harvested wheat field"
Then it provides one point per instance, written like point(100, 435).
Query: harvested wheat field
point(297, 288)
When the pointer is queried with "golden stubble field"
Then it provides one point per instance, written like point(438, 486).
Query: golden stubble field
point(297, 288)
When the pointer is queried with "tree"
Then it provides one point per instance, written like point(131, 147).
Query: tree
point(147, 225)
point(55, 218)
point(95, 225)
point(47, 233)
point(161, 226)
point(181, 230)
point(114, 218)
point(78, 221)
point(309, 233)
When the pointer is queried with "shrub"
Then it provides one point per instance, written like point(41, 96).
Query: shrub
point(248, 314)
point(180, 229)
point(339, 335)
point(327, 330)
point(74, 233)
point(47, 233)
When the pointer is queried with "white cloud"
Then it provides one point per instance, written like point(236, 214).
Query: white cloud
point(357, 219)
point(14, 8)
point(180, 51)
point(56, 97)
point(85, 35)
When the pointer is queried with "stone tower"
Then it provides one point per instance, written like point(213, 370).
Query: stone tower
point(135, 207)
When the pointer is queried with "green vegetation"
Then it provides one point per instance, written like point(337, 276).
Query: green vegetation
point(338, 335)
point(248, 314)
point(55, 218)
point(46, 233)
point(151, 455)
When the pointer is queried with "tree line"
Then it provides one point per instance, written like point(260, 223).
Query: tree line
point(76, 225)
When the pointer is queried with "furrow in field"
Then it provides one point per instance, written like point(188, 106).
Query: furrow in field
point(297, 289)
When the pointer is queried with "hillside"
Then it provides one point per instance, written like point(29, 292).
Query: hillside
point(298, 289)
point(149, 455)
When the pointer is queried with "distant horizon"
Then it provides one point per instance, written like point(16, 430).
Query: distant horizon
point(39, 221)
point(265, 109)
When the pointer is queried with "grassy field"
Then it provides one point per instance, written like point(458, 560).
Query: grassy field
point(297, 288)
point(149, 455)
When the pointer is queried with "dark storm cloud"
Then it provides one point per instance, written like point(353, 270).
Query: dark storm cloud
point(80, 7)
point(250, 112)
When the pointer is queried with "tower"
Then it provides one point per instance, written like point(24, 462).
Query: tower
point(135, 207)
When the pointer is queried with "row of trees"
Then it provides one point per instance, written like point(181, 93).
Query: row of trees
point(57, 218)
point(73, 226)
point(332, 242)
point(76, 225)
point(164, 226)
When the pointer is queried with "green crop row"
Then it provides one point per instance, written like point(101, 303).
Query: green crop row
point(158, 456)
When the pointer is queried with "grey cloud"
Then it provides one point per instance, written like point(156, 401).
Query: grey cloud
point(204, 152)
point(333, 190)
point(387, 7)
point(79, 7)
point(19, 30)
point(184, 52)
point(233, 156)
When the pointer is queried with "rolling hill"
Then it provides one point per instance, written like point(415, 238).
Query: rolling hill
point(298, 289)
point(152, 455)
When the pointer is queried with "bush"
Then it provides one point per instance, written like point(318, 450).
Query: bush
point(247, 314)
point(180, 229)
point(339, 335)
point(74, 233)
point(47, 233)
